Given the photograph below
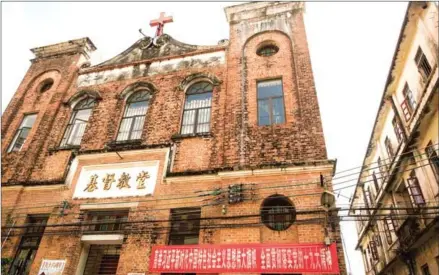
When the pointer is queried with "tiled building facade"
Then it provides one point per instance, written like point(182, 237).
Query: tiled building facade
point(399, 184)
point(168, 144)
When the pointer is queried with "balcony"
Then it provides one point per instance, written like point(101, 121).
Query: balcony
point(408, 232)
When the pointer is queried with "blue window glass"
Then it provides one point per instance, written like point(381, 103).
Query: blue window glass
point(270, 102)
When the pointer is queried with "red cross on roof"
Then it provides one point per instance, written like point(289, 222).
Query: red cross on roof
point(160, 23)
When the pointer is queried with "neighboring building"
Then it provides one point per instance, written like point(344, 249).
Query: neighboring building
point(398, 190)
point(171, 144)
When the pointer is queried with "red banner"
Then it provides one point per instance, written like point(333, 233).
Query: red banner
point(245, 258)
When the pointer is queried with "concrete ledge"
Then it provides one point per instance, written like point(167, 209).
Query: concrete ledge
point(103, 239)
point(98, 206)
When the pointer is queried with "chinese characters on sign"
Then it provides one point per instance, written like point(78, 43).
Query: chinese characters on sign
point(117, 180)
point(123, 181)
point(52, 267)
point(245, 258)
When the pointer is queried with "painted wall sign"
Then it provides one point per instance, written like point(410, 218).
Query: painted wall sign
point(245, 258)
point(52, 267)
point(117, 180)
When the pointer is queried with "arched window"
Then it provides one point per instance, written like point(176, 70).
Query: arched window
point(76, 127)
point(278, 212)
point(197, 107)
point(133, 119)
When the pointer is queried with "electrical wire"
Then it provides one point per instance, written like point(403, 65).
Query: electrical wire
point(174, 198)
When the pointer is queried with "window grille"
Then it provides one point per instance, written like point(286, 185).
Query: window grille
point(375, 182)
point(422, 64)
point(409, 103)
point(131, 126)
point(383, 169)
point(389, 148)
point(78, 122)
point(267, 50)
point(433, 158)
point(397, 129)
point(185, 226)
point(102, 260)
point(110, 221)
point(22, 133)
point(388, 227)
point(28, 245)
point(197, 109)
point(278, 212)
point(374, 250)
point(415, 192)
point(270, 102)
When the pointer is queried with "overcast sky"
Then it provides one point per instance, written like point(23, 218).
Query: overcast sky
point(351, 47)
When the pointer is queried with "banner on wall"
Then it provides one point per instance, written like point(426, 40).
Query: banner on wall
point(52, 267)
point(245, 258)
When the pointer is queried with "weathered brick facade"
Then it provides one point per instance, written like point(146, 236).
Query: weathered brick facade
point(285, 158)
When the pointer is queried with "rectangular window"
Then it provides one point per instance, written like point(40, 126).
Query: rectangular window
point(433, 158)
point(409, 103)
point(270, 102)
point(104, 221)
point(197, 109)
point(425, 270)
point(388, 228)
point(422, 64)
point(375, 182)
point(398, 130)
point(414, 190)
point(389, 148)
point(22, 133)
point(185, 226)
point(383, 169)
point(28, 245)
point(374, 250)
point(102, 260)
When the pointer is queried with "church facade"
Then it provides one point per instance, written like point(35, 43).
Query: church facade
point(172, 158)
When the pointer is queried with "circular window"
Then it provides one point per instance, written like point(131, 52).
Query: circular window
point(278, 212)
point(46, 85)
point(267, 50)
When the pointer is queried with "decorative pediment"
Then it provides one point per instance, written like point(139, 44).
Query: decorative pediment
point(149, 48)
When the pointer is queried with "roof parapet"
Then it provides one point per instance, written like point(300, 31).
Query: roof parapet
point(81, 45)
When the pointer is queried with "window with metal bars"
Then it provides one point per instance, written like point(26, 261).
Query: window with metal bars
point(425, 270)
point(267, 50)
point(185, 226)
point(22, 133)
point(433, 158)
point(397, 129)
point(28, 245)
point(374, 250)
point(270, 102)
point(375, 182)
point(368, 197)
point(409, 103)
point(389, 148)
point(197, 109)
point(422, 64)
point(278, 212)
point(78, 122)
point(383, 169)
point(131, 126)
point(388, 228)
point(104, 221)
point(102, 260)
point(414, 189)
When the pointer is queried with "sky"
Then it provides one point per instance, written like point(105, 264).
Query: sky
point(351, 47)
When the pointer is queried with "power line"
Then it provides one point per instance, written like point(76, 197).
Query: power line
point(220, 189)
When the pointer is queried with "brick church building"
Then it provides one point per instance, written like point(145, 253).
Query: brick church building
point(172, 158)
